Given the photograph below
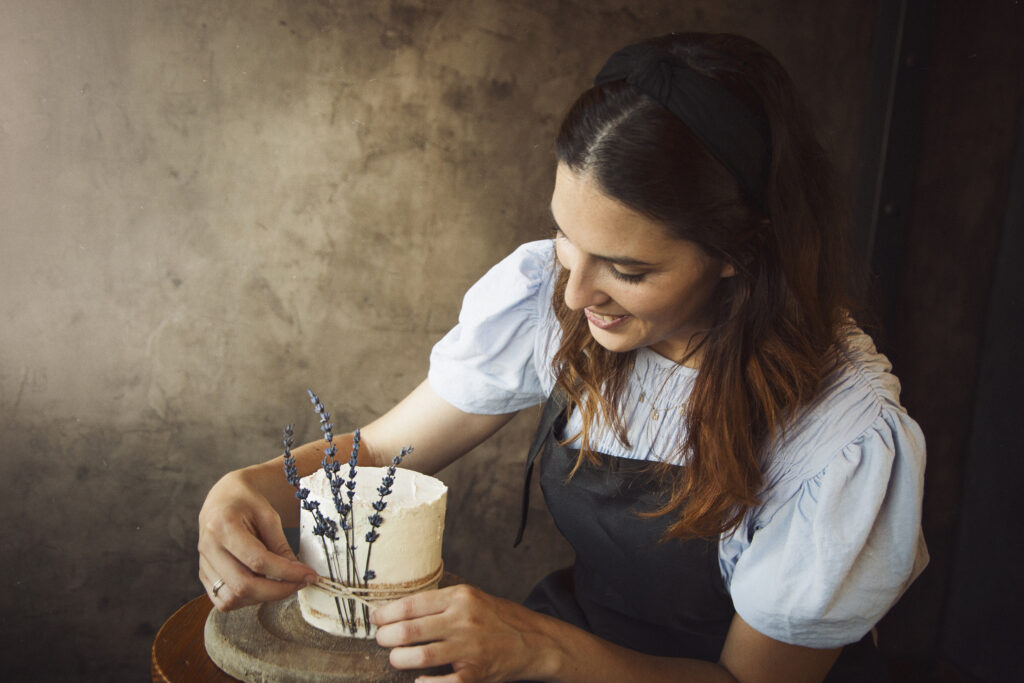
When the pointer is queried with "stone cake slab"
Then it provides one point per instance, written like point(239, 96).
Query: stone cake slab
point(272, 642)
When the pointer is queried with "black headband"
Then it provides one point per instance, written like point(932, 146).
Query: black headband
point(736, 136)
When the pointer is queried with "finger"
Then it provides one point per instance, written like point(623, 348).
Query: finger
point(210, 581)
point(221, 599)
point(412, 607)
point(270, 531)
point(205, 578)
point(457, 677)
point(253, 554)
point(241, 586)
point(422, 656)
point(412, 631)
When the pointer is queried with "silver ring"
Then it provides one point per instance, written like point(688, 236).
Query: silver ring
point(217, 585)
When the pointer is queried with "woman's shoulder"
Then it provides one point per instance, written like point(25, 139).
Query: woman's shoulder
point(496, 358)
point(516, 282)
point(837, 531)
point(533, 260)
point(857, 408)
point(539, 252)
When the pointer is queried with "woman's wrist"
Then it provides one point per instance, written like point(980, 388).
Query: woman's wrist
point(552, 651)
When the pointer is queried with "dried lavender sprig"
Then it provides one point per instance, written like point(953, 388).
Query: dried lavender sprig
point(331, 469)
point(353, 458)
point(330, 531)
point(376, 519)
point(350, 485)
point(344, 509)
point(330, 465)
point(327, 428)
point(291, 472)
point(322, 526)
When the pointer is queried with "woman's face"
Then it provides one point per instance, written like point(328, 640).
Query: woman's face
point(636, 283)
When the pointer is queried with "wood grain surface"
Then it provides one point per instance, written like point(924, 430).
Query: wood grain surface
point(179, 651)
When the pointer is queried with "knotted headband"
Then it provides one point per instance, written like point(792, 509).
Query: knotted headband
point(736, 136)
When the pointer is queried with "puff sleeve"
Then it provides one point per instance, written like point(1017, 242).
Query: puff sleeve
point(833, 549)
point(495, 359)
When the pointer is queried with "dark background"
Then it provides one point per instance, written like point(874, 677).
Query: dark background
point(206, 207)
point(942, 204)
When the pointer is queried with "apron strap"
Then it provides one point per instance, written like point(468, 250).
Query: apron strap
point(552, 411)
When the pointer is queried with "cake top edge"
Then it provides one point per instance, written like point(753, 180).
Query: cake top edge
point(409, 487)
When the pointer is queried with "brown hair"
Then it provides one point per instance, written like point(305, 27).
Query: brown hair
point(775, 322)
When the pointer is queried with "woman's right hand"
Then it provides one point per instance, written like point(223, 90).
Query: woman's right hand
point(244, 557)
point(241, 542)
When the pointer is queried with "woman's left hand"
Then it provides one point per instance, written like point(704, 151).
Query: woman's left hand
point(484, 638)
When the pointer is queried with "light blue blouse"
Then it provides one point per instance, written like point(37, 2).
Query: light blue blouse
point(837, 536)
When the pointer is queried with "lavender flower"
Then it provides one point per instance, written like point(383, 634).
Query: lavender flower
point(325, 527)
point(353, 459)
point(375, 519)
point(291, 472)
point(329, 463)
point(397, 460)
point(321, 525)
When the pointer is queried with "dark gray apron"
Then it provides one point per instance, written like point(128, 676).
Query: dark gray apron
point(628, 586)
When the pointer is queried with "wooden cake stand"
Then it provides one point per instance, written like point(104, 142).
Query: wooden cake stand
point(267, 642)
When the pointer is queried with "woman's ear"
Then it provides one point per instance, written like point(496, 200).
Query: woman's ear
point(751, 243)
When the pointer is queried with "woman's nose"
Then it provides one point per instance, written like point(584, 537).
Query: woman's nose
point(580, 289)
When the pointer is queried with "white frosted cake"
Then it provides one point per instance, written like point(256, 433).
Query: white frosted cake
point(405, 555)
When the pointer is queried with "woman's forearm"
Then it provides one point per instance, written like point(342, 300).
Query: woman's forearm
point(747, 655)
point(573, 655)
point(487, 638)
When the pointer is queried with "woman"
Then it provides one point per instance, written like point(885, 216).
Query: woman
point(722, 446)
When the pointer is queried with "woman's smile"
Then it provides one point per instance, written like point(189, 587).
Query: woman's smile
point(605, 322)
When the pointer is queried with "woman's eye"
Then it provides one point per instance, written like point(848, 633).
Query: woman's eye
point(627, 277)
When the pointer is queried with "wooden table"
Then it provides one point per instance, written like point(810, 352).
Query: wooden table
point(179, 649)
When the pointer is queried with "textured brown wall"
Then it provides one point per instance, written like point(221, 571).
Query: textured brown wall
point(206, 207)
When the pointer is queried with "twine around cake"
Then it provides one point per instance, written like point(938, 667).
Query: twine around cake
point(377, 594)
